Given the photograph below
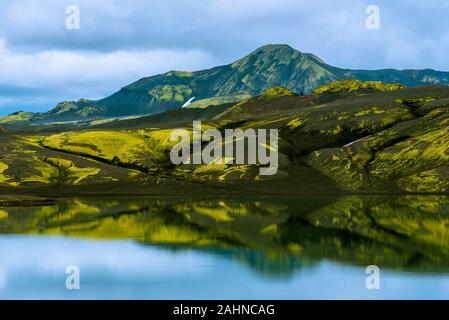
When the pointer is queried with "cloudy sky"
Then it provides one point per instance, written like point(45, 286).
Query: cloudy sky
point(119, 41)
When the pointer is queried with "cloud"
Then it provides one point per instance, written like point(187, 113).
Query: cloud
point(122, 40)
point(62, 74)
point(230, 28)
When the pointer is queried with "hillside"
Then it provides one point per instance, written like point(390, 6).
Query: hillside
point(266, 67)
point(387, 139)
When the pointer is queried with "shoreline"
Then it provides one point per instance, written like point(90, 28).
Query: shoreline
point(27, 201)
point(44, 199)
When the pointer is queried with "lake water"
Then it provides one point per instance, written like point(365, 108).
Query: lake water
point(303, 248)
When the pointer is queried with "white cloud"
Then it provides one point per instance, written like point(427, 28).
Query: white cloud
point(52, 67)
point(402, 51)
point(123, 40)
point(87, 73)
point(252, 9)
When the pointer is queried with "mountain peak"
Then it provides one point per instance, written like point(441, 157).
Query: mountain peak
point(271, 47)
point(276, 49)
point(286, 51)
point(269, 54)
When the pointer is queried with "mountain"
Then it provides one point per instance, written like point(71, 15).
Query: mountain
point(266, 67)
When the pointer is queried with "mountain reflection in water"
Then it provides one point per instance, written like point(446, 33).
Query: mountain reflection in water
point(272, 236)
point(302, 248)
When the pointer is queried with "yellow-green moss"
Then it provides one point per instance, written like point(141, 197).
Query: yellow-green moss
point(3, 167)
point(58, 171)
point(351, 86)
point(277, 92)
point(295, 123)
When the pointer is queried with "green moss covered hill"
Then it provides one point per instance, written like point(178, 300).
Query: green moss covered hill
point(266, 67)
point(345, 137)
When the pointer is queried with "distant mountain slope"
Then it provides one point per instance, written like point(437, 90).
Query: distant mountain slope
point(266, 67)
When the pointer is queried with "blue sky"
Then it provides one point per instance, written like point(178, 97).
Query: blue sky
point(120, 41)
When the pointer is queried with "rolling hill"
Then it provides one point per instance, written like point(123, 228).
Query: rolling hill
point(345, 137)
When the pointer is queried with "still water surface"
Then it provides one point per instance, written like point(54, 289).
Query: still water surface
point(311, 248)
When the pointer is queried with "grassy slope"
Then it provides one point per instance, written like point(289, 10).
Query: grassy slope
point(403, 145)
point(331, 141)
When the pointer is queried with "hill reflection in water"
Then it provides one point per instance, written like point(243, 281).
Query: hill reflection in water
point(273, 236)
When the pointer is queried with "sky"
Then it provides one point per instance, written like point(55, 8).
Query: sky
point(42, 62)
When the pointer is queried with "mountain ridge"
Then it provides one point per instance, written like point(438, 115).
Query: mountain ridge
point(268, 66)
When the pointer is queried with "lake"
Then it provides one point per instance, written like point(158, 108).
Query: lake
point(253, 248)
